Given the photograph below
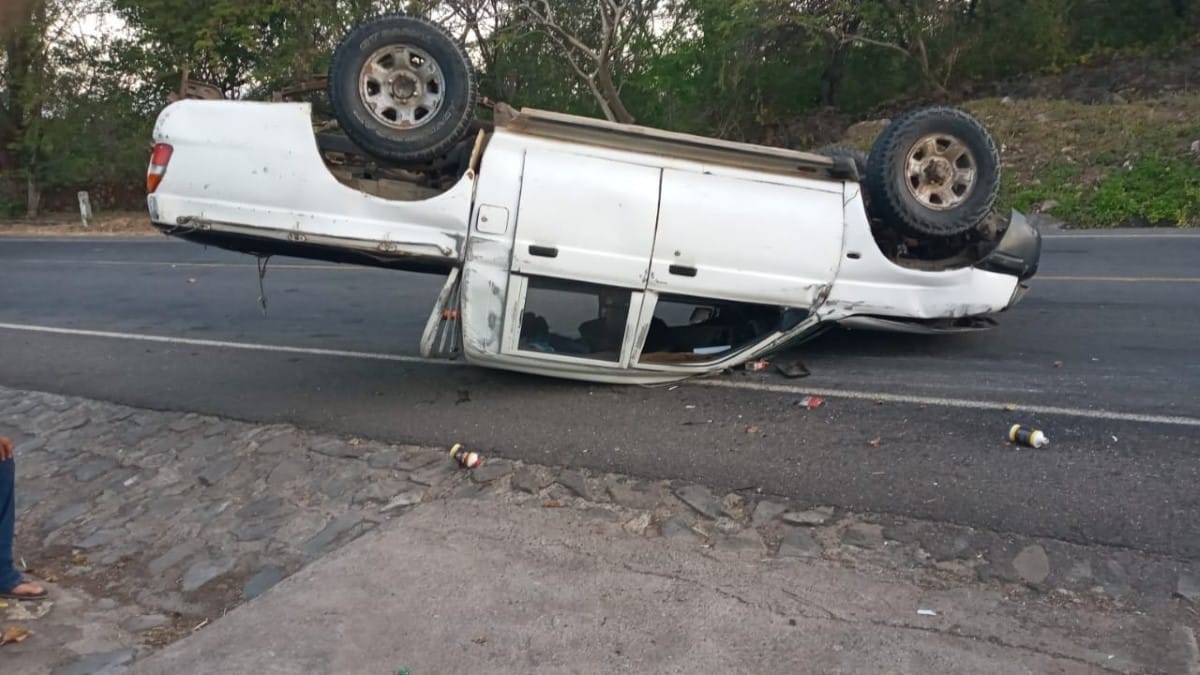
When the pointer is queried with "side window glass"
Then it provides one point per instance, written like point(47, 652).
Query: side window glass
point(697, 330)
point(574, 319)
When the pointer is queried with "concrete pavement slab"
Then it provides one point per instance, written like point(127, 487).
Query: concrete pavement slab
point(474, 587)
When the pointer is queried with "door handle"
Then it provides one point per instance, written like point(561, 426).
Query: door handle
point(543, 251)
point(682, 271)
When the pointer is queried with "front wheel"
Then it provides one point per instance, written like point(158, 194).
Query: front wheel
point(933, 173)
point(402, 89)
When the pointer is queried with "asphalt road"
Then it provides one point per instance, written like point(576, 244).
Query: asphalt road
point(1107, 335)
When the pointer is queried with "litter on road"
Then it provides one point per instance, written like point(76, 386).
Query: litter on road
point(466, 458)
point(1032, 438)
point(757, 366)
point(926, 612)
point(811, 402)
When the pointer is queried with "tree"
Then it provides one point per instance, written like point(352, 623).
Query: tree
point(593, 36)
point(22, 45)
point(907, 28)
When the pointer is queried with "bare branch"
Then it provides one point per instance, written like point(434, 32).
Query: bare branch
point(863, 40)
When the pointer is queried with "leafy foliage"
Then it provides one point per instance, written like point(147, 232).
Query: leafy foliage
point(77, 98)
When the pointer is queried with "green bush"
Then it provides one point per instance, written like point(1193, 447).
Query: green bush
point(1155, 191)
point(1158, 191)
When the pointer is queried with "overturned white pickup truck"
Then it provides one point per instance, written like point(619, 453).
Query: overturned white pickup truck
point(583, 249)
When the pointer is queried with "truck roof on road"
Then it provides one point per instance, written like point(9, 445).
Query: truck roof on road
point(633, 138)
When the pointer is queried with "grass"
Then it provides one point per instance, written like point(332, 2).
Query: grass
point(1104, 165)
point(67, 225)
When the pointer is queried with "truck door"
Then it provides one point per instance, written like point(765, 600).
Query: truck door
point(738, 259)
point(734, 236)
point(584, 236)
point(586, 219)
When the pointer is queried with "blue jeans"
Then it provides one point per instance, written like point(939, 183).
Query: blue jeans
point(9, 576)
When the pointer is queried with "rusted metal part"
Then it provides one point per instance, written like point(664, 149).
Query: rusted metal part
point(504, 114)
point(195, 89)
point(477, 151)
point(317, 83)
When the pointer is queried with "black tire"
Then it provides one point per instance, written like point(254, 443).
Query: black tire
point(432, 131)
point(936, 201)
point(853, 154)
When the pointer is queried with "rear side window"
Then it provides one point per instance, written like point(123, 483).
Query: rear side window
point(574, 319)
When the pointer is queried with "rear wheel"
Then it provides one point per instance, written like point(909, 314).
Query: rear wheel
point(402, 89)
point(933, 173)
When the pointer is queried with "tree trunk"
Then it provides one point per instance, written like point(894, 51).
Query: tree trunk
point(33, 196)
point(835, 72)
point(610, 95)
point(831, 78)
point(605, 108)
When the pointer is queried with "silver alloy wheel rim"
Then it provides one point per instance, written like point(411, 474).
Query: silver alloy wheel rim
point(940, 172)
point(402, 87)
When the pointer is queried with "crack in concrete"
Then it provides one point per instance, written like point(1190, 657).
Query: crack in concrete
point(878, 623)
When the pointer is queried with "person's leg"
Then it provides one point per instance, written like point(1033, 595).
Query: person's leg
point(9, 576)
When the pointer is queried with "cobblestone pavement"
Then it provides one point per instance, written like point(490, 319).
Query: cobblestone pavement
point(150, 525)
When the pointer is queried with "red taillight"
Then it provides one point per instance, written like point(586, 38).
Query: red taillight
point(158, 166)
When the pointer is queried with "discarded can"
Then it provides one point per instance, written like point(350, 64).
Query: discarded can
point(1033, 438)
point(757, 366)
point(466, 458)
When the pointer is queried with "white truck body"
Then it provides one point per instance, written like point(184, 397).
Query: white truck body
point(556, 209)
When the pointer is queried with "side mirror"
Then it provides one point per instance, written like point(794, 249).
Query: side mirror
point(700, 315)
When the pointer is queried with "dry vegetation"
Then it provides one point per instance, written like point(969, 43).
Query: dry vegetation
point(1094, 165)
point(69, 225)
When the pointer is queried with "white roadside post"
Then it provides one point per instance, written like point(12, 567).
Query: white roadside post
point(85, 209)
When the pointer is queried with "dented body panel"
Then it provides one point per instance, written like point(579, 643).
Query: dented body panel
point(579, 249)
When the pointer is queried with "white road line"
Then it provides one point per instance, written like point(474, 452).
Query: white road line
point(967, 404)
point(221, 344)
point(955, 403)
point(1123, 280)
point(1121, 236)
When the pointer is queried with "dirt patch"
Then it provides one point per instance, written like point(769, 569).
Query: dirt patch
point(68, 225)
